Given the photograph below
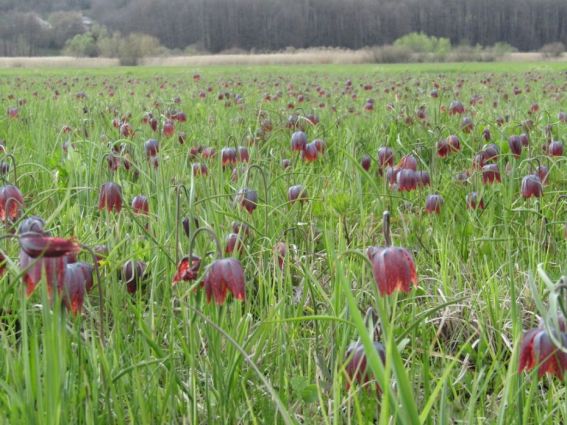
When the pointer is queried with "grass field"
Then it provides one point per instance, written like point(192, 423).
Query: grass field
point(160, 353)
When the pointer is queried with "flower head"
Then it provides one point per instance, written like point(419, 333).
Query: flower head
point(222, 275)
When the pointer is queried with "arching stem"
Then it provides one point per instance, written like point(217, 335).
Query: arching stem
point(178, 218)
point(213, 236)
point(265, 182)
point(14, 165)
point(386, 228)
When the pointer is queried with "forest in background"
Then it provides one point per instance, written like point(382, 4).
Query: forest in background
point(45, 27)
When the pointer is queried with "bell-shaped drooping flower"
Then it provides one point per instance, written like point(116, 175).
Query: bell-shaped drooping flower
point(33, 224)
point(233, 241)
point(406, 180)
point(151, 146)
point(453, 143)
point(393, 268)
point(187, 270)
point(456, 108)
point(298, 141)
point(247, 199)
point(228, 156)
point(474, 201)
point(132, 274)
point(531, 186)
point(515, 144)
point(11, 203)
point(224, 275)
point(38, 245)
point(110, 197)
point(433, 203)
point(78, 279)
point(385, 157)
point(538, 351)
point(490, 174)
point(356, 367)
point(310, 152)
point(43, 255)
point(297, 193)
point(140, 205)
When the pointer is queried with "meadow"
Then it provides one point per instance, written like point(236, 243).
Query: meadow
point(288, 170)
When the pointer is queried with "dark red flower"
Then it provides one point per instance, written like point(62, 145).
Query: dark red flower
point(248, 199)
point(542, 171)
point(297, 193)
point(365, 162)
point(298, 141)
point(240, 228)
point(473, 202)
point(524, 139)
point(126, 130)
point(454, 143)
point(555, 148)
point(222, 275)
point(393, 269)
point(531, 186)
point(78, 278)
point(140, 205)
point(132, 274)
point(491, 174)
point(228, 156)
point(423, 178)
point(515, 144)
point(406, 180)
point(442, 148)
point(385, 157)
point(320, 144)
point(233, 241)
point(110, 197)
point(433, 203)
point(199, 169)
point(168, 128)
point(408, 162)
point(467, 125)
point(456, 107)
point(491, 152)
point(310, 152)
point(52, 268)
point(187, 270)
point(11, 202)
point(151, 146)
point(33, 224)
point(37, 245)
point(537, 351)
point(243, 154)
point(153, 122)
point(356, 368)
point(208, 152)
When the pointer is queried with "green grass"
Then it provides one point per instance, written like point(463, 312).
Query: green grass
point(168, 356)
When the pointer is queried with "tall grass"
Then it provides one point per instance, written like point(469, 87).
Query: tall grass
point(279, 357)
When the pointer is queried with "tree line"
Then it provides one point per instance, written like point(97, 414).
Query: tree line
point(218, 25)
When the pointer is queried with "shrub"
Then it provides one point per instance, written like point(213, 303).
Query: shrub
point(81, 45)
point(552, 50)
point(135, 46)
point(419, 42)
point(391, 54)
